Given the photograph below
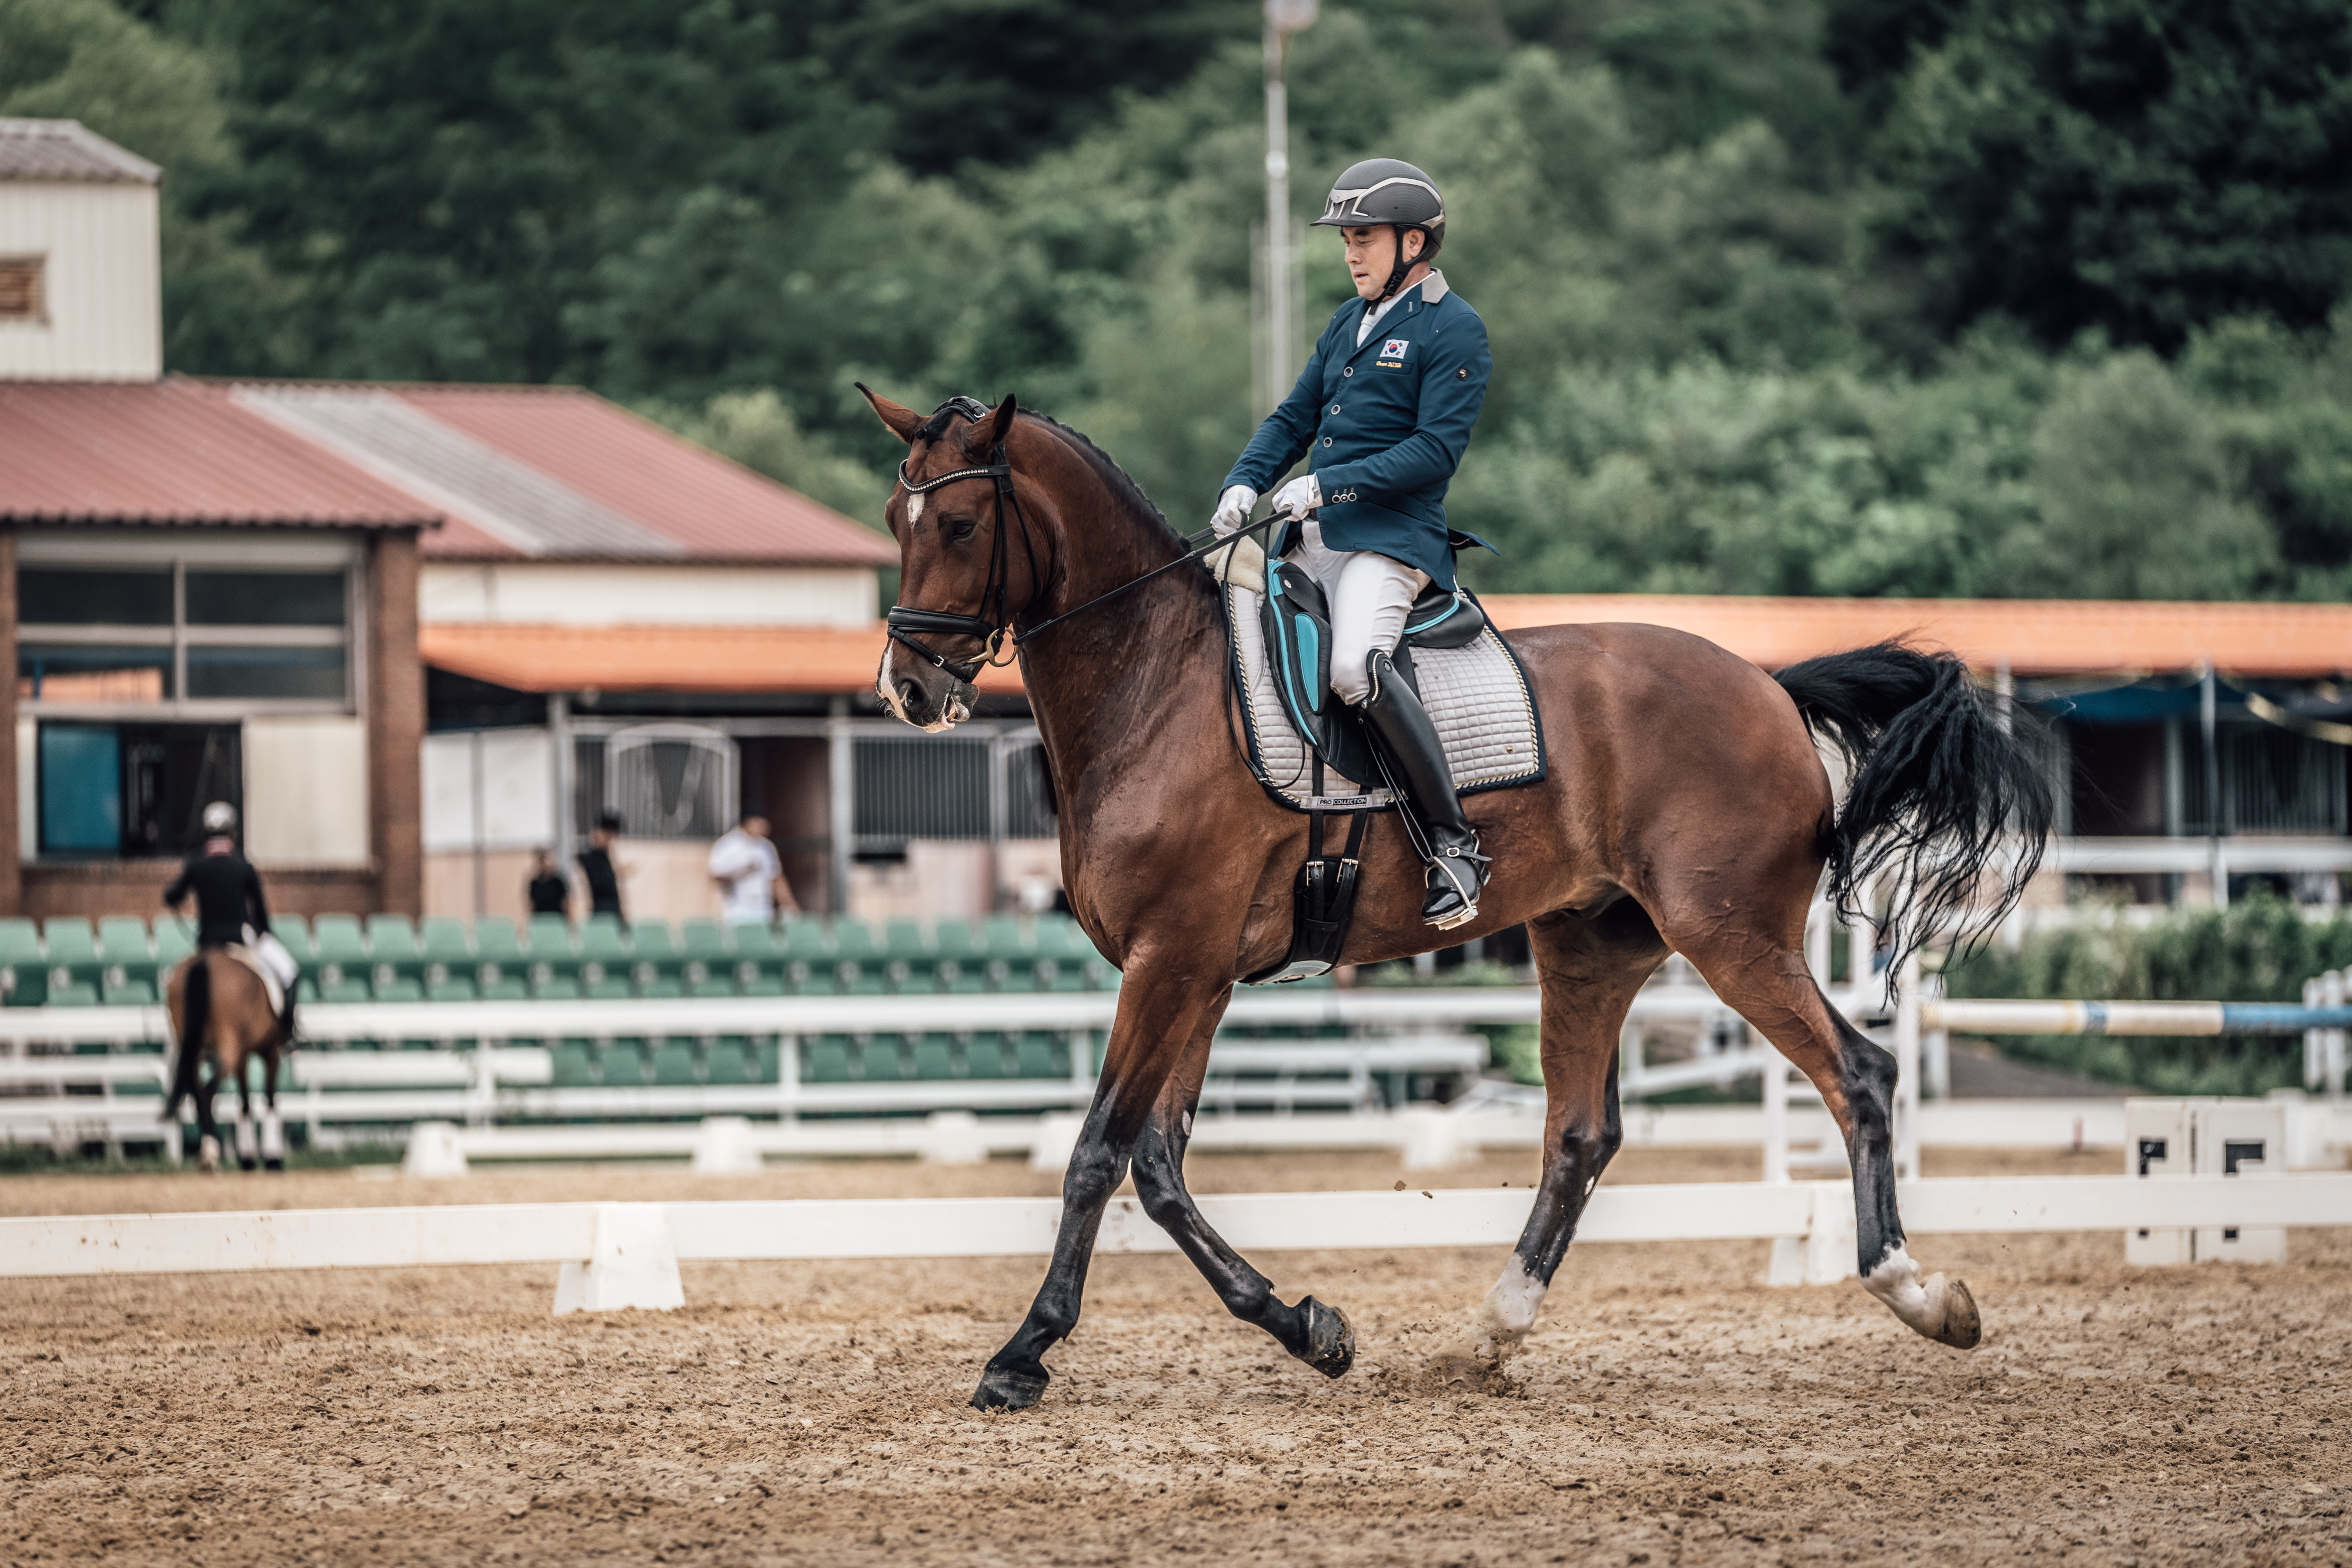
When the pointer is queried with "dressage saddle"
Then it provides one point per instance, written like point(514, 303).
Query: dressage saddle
point(1297, 622)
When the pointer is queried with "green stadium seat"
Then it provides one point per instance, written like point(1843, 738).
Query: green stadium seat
point(754, 980)
point(391, 985)
point(707, 980)
point(884, 1060)
point(393, 955)
point(174, 942)
point(451, 989)
point(867, 979)
point(1040, 1055)
point(698, 936)
point(23, 969)
point(342, 959)
point(917, 978)
point(967, 978)
point(293, 933)
point(73, 994)
point(496, 941)
point(556, 989)
point(445, 940)
point(906, 940)
point(826, 1060)
point(933, 1057)
point(122, 947)
point(675, 1064)
point(801, 938)
point(855, 941)
point(624, 1065)
point(1004, 936)
point(1017, 974)
point(768, 1061)
point(961, 940)
point(802, 979)
point(984, 1055)
point(549, 937)
point(728, 1063)
point(573, 1063)
point(504, 985)
point(758, 943)
point(72, 948)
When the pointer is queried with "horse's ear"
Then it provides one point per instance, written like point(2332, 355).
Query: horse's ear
point(1000, 424)
point(903, 421)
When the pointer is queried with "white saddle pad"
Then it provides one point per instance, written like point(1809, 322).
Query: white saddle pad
point(1476, 695)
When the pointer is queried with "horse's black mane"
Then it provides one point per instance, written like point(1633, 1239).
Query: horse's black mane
point(1123, 484)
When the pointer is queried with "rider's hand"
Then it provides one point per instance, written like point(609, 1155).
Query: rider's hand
point(1299, 497)
point(1233, 508)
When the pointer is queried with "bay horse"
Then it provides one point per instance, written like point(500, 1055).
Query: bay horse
point(219, 1007)
point(1685, 809)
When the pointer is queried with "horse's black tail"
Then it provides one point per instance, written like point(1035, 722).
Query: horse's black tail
point(195, 1012)
point(1939, 780)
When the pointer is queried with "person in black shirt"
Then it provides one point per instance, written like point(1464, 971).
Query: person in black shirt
point(547, 892)
point(597, 870)
point(230, 901)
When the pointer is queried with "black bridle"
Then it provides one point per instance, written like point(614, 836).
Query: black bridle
point(992, 627)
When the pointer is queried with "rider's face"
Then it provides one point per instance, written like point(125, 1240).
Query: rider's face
point(1371, 254)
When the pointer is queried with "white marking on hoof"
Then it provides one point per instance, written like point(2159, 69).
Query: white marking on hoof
point(1501, 1322)
point(209, 1154)
point(273, 1137)
point(248, 1148)
point(1938, 1308)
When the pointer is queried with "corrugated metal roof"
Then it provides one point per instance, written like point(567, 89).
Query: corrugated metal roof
point(2033, 636)
point(174, 451)
point(715, 659)
point(714, 509)
point(66, 150)
point(522, 509)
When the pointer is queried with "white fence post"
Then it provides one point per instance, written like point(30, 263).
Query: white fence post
point(1907, 1070)
point(632, 1263)
point(2314, 1041)
point(2332, 995)
point(1831, 1240)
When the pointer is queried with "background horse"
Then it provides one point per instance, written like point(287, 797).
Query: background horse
point(219, 1007)
point(1685, 809)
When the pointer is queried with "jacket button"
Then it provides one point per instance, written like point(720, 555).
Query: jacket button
point(1462, 374)
point(1326, 441)
point(1347, 370)
point(1334, 408)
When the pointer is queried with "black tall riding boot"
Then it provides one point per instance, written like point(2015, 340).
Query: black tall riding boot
point(1401, 725)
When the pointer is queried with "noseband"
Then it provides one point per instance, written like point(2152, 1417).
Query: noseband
point(994, 625)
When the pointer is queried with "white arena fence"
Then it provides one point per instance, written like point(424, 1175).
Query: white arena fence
point(621, 1255)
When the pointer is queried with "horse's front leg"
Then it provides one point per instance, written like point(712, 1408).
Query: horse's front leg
point(1160, 1007)
point(273, 1131)
point(248, 1147)
point(1317, 1334)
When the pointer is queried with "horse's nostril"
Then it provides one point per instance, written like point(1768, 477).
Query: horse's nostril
point(911, 693)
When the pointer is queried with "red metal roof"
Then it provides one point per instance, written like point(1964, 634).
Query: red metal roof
point(174, 451)
point(716, 509)
point(2033, 636)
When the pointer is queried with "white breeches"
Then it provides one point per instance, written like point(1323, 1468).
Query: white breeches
point(1370, 595)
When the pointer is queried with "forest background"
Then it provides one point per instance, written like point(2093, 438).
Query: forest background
point(1852, 296)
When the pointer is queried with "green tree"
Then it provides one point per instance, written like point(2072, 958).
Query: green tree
point(2141, 166)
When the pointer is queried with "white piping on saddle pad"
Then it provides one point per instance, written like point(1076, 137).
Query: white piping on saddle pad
point(1474, 695)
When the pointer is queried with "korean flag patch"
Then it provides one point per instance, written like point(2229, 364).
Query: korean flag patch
point(1394, 349)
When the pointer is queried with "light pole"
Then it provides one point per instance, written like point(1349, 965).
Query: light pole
point(1283, 17)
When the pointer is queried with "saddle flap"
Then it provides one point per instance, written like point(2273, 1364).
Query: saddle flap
point(1298, 620)
point(1440, 618)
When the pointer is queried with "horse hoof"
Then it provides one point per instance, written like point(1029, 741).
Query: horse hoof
point(208, 1155)
point(244, 1164)
point(1330, 1339)
point(278, 1166)
point(1003, 1388)
point(1963, 1328)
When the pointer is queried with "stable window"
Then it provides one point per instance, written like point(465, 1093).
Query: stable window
point(21, 291)
point(183, 632)
point(132, 789)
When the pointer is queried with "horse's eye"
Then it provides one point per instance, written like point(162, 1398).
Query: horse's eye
point(961, 528)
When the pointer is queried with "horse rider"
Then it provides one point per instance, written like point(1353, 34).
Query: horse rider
point(1382, 413)
point(230, 909)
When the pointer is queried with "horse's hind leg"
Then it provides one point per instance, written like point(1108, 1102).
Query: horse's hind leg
point(1590, 969)
point(1766, 979)
point(273, 1131)
point(209, 1143)
point(249, 1146)
point(1317, 1334)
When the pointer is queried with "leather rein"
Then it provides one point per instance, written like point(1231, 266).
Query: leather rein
point(1000, 642)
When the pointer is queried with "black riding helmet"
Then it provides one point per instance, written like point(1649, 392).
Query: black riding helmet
point(1389, 190)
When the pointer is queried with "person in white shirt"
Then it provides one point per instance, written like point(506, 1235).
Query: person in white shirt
point(750, 875)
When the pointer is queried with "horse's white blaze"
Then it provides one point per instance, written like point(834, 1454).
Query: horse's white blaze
point(1920, 1303)
point(914, 511)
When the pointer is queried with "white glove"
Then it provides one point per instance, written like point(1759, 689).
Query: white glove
point(1240, 564)
point(1233, 508)
point(1299, 497)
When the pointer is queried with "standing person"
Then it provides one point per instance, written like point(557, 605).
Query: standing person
point(231, 911)
point(1382, 413)
point(596, 869)
point(751, 874)
point(547, 891)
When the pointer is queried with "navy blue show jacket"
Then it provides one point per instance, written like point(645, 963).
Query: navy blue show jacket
point(1383, 426)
